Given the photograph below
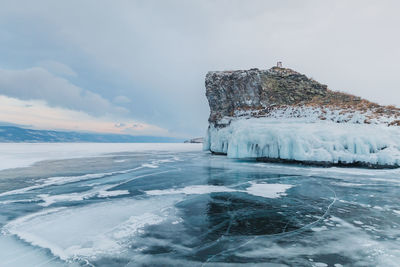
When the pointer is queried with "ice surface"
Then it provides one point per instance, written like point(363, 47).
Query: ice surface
point(90, 231)
point(297, 139)
point(61, 180)
point(198, 209)
point(15, 155)
point(344, 240)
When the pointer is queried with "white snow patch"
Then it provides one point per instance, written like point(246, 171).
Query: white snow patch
point(147, 165)
point(348, 184)
point(61, 180)
point(112, 193)
point(319, 229)
point(191, 190)
point(101, 193)
point(51, 199)
point(268, 190)
point(314, 114)
point(262, 190)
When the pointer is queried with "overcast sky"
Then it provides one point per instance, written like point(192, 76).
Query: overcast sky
point(138, 67)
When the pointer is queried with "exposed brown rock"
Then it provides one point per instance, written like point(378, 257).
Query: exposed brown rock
point(230, 92)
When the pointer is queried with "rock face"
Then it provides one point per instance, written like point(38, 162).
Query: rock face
point(282, 115)
point(260, 93)
point(230, 91)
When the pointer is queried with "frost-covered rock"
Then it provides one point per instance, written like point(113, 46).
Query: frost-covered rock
point(279, 114)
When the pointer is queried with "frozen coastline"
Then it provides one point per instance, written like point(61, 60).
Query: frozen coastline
point(281, 115)
point(297, 140)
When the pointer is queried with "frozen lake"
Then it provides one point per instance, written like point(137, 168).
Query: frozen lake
point(175, 205)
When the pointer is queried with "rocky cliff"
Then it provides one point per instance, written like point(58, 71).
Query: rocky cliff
point(263, 93)
point(280, 114)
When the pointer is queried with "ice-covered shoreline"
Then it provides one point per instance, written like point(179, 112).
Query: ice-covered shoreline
point(281, 115)
point(299, 140)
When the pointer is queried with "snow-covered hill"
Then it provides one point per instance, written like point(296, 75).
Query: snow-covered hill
point(281, 115)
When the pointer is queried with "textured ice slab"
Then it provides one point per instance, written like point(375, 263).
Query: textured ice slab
point(14, 253)
point(297, 139)
point(101, 229)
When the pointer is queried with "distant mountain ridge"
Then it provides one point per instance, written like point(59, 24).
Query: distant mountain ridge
point(10, 134)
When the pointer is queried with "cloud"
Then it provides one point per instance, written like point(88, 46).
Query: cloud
point(157, 53)
point(39, 84)
point(121, 99)
point(120, 125)
point(57, 68)
point(39, 115)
